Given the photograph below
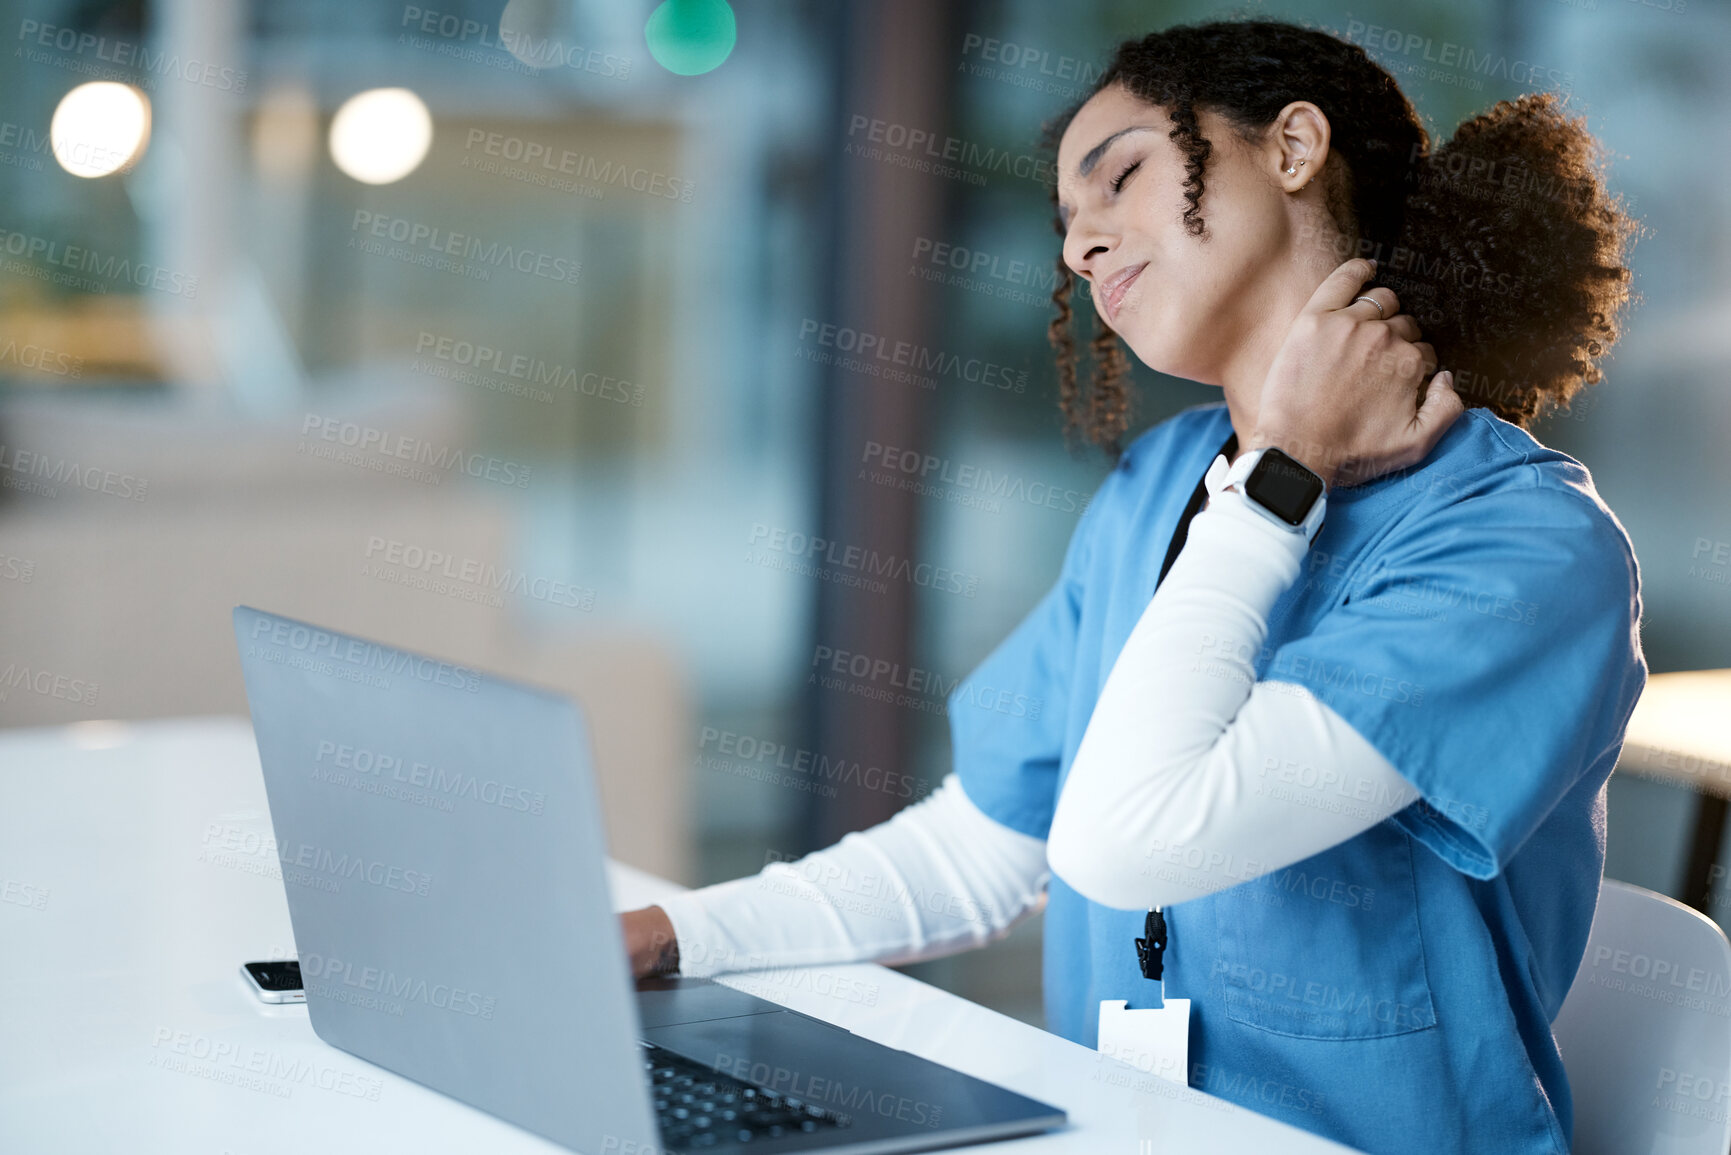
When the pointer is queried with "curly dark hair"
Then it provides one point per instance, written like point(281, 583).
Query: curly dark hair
point(1503, 243)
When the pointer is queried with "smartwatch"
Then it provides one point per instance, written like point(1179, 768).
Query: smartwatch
point(1276, 486)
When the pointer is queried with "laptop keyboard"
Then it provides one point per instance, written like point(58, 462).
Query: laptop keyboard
point(698, 1106)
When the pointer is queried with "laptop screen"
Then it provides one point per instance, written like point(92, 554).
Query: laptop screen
point(443, 857)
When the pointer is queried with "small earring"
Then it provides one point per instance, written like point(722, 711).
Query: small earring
point(1290, 171)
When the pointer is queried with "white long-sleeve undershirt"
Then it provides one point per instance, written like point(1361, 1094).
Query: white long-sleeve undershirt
point(937, 878)
point(1190, 777)
point(1193, 776)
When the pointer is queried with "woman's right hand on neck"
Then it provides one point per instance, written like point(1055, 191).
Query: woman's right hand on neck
point(1347, 394)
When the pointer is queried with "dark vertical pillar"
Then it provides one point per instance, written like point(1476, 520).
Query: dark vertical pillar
point(895, 68)
point(1704, 852)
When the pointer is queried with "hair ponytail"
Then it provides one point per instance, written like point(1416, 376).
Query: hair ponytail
point(1511, 258)
point(1502, 243)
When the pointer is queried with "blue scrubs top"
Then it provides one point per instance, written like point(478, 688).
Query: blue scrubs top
point(1475, 618)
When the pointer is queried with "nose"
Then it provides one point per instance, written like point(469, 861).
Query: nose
point(1085, 243)
point(1084, 266)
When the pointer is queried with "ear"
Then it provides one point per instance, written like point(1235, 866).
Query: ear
point(1299, 133)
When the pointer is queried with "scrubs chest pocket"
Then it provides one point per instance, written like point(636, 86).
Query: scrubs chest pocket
point(1327, 948)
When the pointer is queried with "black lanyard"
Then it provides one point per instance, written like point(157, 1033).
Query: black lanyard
point(1151, 948)
point(1198, 498)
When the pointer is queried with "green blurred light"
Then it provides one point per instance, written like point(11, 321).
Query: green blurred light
point(691, 37)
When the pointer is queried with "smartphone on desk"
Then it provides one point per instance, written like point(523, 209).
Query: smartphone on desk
point(275, 982)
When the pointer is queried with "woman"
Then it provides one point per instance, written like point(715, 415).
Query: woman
point(1355, 749)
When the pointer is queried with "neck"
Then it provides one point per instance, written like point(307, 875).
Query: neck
point(1280, 301)
point(1242, 386)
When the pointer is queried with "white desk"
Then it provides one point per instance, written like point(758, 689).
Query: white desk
point(135, 878)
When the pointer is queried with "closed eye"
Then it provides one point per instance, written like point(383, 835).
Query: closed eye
point(1118, 181)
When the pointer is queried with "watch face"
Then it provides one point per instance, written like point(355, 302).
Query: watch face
point(1283, 486)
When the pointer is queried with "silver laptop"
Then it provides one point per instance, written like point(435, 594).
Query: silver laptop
point(443, 855)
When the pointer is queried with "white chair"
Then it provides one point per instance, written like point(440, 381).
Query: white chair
point(1645, 1032)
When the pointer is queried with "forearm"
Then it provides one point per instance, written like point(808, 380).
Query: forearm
point(937, 878)
point(1177, 762)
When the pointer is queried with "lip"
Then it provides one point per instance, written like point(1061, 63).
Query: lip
point(1112, 290)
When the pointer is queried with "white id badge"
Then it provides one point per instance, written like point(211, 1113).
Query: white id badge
point(1154, 1040)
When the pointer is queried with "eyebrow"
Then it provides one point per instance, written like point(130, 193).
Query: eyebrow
point(1092, 158)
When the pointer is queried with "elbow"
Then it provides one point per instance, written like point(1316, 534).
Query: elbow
point(1090, 861)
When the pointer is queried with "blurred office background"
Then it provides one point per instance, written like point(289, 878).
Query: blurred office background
point(568, 392)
